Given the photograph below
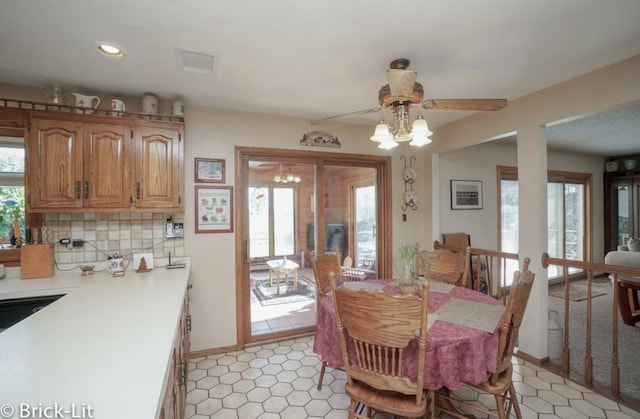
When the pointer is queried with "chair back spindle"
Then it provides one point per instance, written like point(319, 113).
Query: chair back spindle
point(379, 328)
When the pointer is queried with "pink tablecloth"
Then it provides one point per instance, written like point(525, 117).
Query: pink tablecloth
point(455, 354)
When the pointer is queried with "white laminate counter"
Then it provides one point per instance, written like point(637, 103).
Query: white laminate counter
point(106, 344)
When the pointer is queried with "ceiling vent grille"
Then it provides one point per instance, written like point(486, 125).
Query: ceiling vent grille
point(194, 62)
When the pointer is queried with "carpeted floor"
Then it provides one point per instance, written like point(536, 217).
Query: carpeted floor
point(578, 291)
point(601, 343)
point(267, 294)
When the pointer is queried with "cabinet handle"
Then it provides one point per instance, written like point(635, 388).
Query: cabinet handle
point(78, 189)
point(138, 190)
point(86, 190)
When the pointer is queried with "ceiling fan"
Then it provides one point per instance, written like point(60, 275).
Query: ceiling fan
point(402, 92)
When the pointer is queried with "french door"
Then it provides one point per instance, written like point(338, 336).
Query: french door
point(292, 206)
point(568, 215)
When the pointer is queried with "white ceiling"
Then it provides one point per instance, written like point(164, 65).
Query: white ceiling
point(312, 59)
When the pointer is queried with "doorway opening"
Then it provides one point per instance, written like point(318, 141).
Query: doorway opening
point(292, 209)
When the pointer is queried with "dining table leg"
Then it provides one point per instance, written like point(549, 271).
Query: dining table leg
point(278, 281)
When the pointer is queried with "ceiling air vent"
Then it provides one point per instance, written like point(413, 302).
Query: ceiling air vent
point(194, 62)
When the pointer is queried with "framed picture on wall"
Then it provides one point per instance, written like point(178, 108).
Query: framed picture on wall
point(466, 194)
point(214, 209)
point(209, 170)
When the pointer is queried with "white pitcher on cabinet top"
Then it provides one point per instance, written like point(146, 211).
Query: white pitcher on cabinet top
point(84, 101)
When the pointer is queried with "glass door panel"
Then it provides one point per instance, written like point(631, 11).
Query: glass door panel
point(509, 222)
point(365, 225)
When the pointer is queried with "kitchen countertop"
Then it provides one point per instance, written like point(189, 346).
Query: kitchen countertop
point(102, 350)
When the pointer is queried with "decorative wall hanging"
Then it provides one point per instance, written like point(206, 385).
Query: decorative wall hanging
point(214, 209)
point(466, 194)
point(320, 139)
point(209, 170)
point(410, 197)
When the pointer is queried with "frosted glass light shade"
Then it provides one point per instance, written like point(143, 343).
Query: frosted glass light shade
point(381, 134)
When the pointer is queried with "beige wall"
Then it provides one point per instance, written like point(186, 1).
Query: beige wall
point(214, 133)
point(603, 89)
point(479, 163)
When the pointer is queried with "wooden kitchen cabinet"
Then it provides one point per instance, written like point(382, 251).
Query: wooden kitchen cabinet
point(159, 168)
point(54, 165)
point(175, 389)
point(89, 163)
point(621, 208)
point(78, 165)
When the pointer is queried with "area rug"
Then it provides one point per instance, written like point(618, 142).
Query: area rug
point(267, 295)
point(576, 292)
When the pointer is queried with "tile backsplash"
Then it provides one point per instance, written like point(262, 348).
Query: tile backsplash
point(107, 233)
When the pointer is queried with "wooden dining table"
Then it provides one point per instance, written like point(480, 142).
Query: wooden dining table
point(462, 338)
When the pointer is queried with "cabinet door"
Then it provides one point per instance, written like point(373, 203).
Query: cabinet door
point(54, 156)
point(107, 164)
point(159, 171)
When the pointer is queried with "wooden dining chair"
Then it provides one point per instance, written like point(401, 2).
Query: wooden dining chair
point(379, 327)
point(445, 265)
point(500, 383)
point(326, 270)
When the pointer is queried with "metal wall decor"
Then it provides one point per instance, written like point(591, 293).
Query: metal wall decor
point(410, 197)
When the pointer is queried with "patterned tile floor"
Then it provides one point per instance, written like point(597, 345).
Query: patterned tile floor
point(278, 381)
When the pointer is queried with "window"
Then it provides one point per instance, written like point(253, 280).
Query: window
point(12, 205)
point(271, 222)
point(567, 215)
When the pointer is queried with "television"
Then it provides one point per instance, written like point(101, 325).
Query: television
point(334, 235)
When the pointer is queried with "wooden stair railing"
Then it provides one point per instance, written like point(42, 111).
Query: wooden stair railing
point(591, 268)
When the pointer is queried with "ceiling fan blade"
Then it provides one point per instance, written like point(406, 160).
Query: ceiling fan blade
point(465, 104)
point(361, 112)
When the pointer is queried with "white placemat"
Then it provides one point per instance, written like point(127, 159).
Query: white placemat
point(441, 287)
point(472, 314)
point(357, 285)
point(431, 319)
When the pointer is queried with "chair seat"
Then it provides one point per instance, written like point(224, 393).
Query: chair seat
point(386, 401)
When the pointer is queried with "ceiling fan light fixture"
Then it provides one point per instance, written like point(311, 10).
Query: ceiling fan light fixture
point(388, 144)
point(382, 133)
point(280, 178)
point(420, 127)
point(419, 140)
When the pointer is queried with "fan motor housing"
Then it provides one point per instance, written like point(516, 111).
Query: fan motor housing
point(386, 99)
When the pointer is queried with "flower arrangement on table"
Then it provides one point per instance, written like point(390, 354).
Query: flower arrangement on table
point(405, 267)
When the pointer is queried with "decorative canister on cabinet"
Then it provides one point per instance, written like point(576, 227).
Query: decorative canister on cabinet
point(178, 108)
point(149, 103)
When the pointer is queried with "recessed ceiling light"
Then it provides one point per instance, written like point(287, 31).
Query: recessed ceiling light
point(109, 50)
